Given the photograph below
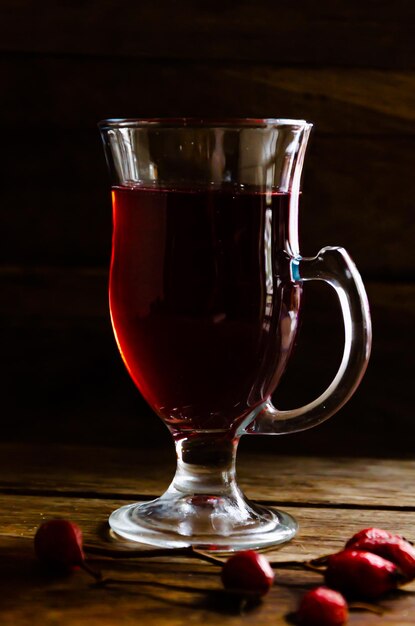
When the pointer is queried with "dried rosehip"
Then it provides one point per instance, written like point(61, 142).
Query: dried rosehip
point(373, 534)
point(361, 574)
point(58, 544)
point(395, 549)
point(248, 571)
point(322, 607)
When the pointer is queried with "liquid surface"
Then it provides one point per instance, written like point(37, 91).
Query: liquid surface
point(202, 304)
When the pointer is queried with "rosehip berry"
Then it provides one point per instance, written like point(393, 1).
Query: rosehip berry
point(322, 607)
point(395, 549)
point(248, 571)
point(373, 534)
point(58, 544)
point(361, 574)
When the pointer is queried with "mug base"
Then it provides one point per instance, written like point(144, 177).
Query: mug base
point(208, 523)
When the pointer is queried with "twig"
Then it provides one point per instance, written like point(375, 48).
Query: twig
point(137, 554)
point(214, 560)
point(188, 551)
point(312, 565)
point(97, 574)
point(363, 606)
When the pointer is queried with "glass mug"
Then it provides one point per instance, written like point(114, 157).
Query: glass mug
point(205, 290)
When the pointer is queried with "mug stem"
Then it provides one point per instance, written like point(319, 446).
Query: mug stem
point(204, 507)
point(206, 465)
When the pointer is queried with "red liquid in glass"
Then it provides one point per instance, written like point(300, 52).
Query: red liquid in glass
point(202, 303)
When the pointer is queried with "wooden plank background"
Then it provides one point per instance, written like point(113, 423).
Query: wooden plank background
point(347, 67)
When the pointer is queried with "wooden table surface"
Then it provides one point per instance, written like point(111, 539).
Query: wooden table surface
point(331, 499)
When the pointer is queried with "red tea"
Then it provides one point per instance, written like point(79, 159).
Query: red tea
point(202, 302)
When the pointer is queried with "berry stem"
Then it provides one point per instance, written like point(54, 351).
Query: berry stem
point(96, 574)
point(189, 551)
point(136, 554)
point(364, 606)
point(214, 560)
point(315, 565)
point(311, 566)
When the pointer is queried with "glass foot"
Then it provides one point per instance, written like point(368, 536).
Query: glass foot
point(208, 523)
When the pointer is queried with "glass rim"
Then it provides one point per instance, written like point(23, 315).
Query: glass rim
point(201, 122)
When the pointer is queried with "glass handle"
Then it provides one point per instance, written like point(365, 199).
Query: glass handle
point(334, 266)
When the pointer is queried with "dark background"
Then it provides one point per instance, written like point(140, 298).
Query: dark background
point(346, 66)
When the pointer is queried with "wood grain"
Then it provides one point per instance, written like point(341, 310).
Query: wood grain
point(71, 92)
point(322, 530)
point(348, 67)
point(107, 473)
point(189, 593)
point(175, 590)
point(358, 34)
point(51, 295)
point(59, 348)
point(358, 192)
